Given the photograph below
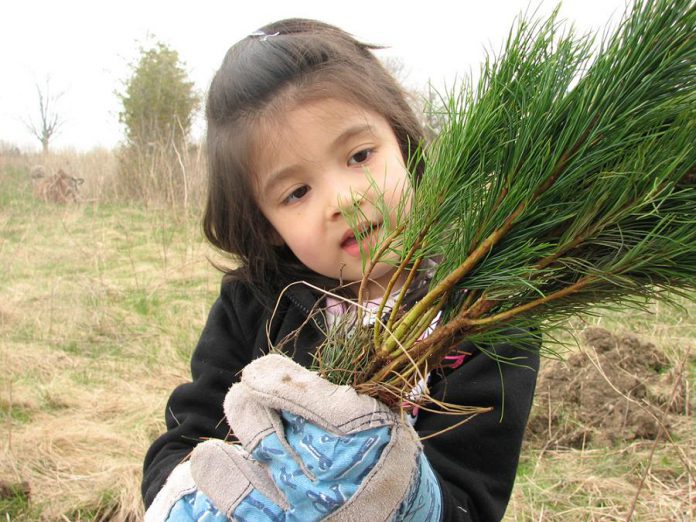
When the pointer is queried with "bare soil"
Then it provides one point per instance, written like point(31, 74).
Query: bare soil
point(618, 388)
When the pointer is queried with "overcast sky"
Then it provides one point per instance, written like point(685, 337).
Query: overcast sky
point(85, 47)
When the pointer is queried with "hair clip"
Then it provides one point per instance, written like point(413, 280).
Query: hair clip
point(263, 36)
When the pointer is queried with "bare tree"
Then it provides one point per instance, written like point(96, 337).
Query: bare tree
point(49, 119)
point(434, 111)
point(396, 67)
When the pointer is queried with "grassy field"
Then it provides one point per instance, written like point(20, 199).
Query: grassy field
point(101, 304)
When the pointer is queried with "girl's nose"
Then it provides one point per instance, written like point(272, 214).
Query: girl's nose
point(348, 198)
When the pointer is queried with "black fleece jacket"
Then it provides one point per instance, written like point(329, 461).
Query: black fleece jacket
point(475, 462)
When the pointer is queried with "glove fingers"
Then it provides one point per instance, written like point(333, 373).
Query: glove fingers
point(383, 490)
point(250, 421)
point(278, 383)
point(274, 385)
point(228, 475)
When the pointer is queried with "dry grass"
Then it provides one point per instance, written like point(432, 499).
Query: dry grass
point(101, 304)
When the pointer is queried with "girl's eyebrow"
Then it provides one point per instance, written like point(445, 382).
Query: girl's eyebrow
point(278, 176)
point(352, 131)
point(347, 134)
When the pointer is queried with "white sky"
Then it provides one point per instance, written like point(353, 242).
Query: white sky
point(85, 46)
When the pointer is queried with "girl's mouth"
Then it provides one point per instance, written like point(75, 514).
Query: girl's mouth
point(350, 243)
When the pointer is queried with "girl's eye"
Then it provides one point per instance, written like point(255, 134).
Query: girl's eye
point(296, 194)
point(360, 157)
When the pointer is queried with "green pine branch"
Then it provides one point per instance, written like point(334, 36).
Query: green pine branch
point(563, 180)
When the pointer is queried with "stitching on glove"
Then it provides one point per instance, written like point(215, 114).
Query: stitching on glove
point(279, 429)
point(414, 472)
point(249, 487)
point(234, 504)
point(381, 417)
point(384, 417)
point(257, 437)
point(300, 410)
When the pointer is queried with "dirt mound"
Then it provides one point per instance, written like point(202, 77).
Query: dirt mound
point(613, 390)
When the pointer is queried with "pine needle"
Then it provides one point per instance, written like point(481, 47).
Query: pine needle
point(562, 181)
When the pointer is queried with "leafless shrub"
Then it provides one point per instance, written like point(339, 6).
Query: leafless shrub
point(37, 172)
point(155, 174)
point(58, 188)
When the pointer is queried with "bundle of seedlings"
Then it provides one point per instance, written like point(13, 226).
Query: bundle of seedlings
point(563, 181)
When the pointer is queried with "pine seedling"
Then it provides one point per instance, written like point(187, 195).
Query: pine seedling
point(562, 181)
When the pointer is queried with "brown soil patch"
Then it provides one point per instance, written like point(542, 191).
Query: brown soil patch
point(614, 390)
point(9, 491)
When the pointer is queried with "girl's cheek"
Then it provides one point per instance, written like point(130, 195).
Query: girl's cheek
point(407, 206)
point(406, 195)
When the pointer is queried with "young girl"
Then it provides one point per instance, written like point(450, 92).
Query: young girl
point(304, 123)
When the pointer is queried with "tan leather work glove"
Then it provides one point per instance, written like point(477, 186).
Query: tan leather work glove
point(313, 450)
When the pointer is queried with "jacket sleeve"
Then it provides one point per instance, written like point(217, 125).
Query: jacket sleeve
point(194, 410)
point(476, 462)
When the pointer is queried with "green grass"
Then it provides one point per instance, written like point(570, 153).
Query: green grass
point(15, 504)
point(15, 413)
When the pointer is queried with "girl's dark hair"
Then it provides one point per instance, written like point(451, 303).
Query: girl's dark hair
point(291, 60)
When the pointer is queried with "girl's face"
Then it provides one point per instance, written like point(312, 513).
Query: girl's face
point(318, 160)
